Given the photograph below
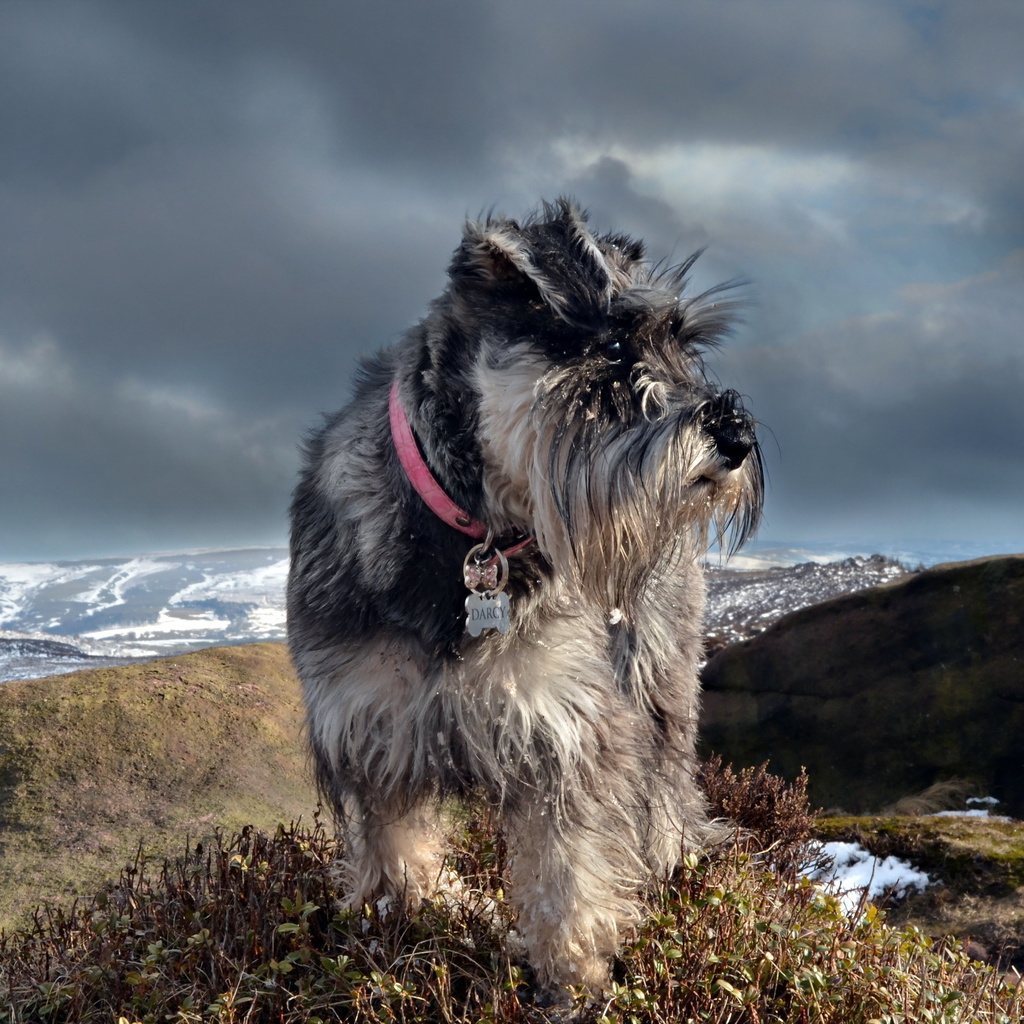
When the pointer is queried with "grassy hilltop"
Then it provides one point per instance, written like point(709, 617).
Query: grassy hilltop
point(93, 761)
point(221, 921)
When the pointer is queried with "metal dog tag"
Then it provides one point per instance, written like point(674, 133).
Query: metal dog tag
point(487, 610)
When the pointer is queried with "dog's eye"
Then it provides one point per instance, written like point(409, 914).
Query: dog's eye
point(616, 351)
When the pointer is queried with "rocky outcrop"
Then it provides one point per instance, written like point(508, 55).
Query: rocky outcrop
point(884, 692)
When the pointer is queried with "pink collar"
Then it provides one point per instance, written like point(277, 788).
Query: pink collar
point(422, 480)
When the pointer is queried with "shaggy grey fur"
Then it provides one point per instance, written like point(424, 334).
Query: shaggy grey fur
point(556, 390)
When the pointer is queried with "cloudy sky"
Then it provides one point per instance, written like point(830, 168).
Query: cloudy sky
point(210, 208)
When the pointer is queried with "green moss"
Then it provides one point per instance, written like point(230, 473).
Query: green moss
point(977, 856)
point(977, 871)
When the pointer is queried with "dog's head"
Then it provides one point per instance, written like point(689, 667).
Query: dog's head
point(599, 428)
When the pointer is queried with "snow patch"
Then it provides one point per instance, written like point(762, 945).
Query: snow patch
point(20, 582)
point(854, 870)
point(168, 621)
point(989, 803)
point(261, 583)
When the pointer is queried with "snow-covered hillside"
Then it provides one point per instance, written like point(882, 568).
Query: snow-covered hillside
point(59, 616)
point(742, 602)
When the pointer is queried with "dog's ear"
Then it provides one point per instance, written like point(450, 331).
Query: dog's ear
point(631, 249)
point(552, 254)
point(495, 254)
point(492, 252)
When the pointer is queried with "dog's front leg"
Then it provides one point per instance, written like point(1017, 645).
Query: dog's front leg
point(574, 881)
point(562, 752)
point(392, 851)
point(366, 703)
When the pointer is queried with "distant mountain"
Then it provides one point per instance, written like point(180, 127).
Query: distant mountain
point(61, 616)
point(743, 602)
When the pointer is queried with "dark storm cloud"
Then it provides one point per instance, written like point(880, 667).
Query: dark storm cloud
point(99, 465)
point(209, 210)
point(198, 199)
point(907, 421)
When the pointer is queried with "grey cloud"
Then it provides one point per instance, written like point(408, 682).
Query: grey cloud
point(183, 270)
point(112, 466)
point(234, 200)
point(394, 78)
point(910, 417)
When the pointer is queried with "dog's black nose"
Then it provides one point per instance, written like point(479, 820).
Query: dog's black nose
point(731, 429)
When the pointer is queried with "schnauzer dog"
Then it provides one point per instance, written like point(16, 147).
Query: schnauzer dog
point(496, 589)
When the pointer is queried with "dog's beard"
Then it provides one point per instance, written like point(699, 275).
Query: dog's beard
point(621, 479)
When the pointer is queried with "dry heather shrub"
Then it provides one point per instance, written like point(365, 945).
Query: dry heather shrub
point(769, 812)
